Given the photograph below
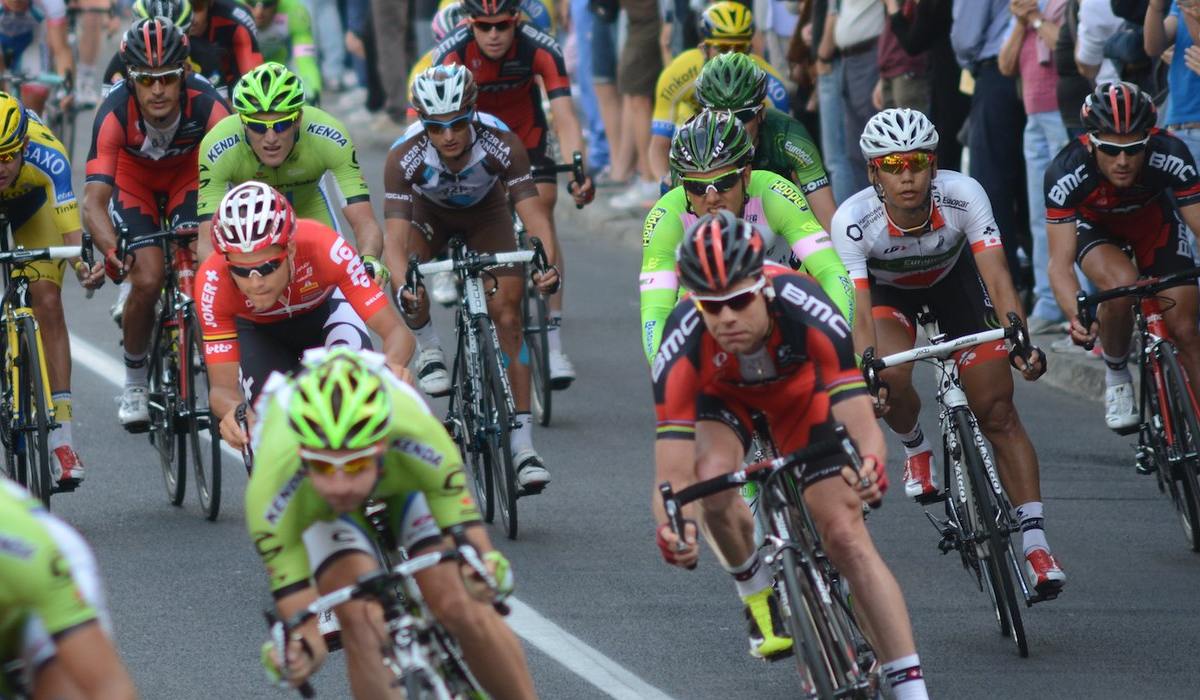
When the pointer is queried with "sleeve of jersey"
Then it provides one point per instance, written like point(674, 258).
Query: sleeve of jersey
point(830, 342)
point(675, 388)
point(662, 119)
point(788, 215)
point(518, 176)
point(549, 63)
point(346, 267)
point(397, 190)
point(60, 194)
point(848, 242)
point(343, 161)
point(217, 326)
point(982, 231)
point(107, 138)
point(41, 582)
point(1060, 204)
point(658, 283)
point(805, 159)
point(214, 178)
point(1186, 185)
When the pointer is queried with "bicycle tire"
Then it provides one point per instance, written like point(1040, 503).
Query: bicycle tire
point(163, 404)
point(1153, 449)
point(469, 428)
point(494, 401)
point(1186, 490)
point(16, 470)
point(984, 508)
point(535, 317)
point(34, 436)
point(800, 600)
point(194, 398)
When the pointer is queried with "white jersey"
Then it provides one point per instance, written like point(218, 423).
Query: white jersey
point(873, 249)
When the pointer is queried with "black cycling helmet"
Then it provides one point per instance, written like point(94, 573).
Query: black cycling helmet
point(1118, 108)
point(153, 43)
point(712, 139)
point(717, 252)
point(490, 8)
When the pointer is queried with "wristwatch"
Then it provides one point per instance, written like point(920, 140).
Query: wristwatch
point(1037, 24)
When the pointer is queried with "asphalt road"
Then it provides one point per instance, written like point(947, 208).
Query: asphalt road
point(607, 618)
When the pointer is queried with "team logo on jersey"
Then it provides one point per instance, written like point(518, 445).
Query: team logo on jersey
point(1066, 184)
point(221, 146)
point(1172, 164)
point(652, 220)
point(342, 254)
point(854, 232)
point(720, 359)
point(418, 450)
point(16, 548)
point(820, 310)
point(786, 190)
point(328, 132)
point(283, 498)
point(674, 341)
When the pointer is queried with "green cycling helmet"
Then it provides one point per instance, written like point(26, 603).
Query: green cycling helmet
point(270, 87)
point(731, 81)
point(178, 11)
point(710, 140)
point(340, 402)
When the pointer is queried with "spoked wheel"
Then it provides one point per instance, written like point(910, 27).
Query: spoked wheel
point(203, 434)
point(1185, 448)
point(33, 437)
point(467, 385)
point(16, 469)
point(535, 317)
point(497, 426)
point(800, 599)
point(164, 406)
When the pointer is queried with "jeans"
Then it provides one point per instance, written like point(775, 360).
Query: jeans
point(582, 22)
point(1045, 136)
point(833, 140)
point(327, 28)
point(859, 75)
point(994, 139)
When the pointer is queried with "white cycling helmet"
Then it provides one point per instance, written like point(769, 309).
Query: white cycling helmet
point(443, 90)
point(897, 131)
point(251, 217)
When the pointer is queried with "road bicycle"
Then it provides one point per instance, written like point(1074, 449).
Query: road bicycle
point(979, 521)
point(26, 408)
point(834, 658)
point(181, 422)
point(1168, 430)
point(479, 417)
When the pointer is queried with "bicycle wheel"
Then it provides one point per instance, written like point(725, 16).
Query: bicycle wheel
point(494, 401)
point(1184, 434)
point(203, 435)
point(800, 602)
point(15, 469)
point(33, 438)
point(535, 320)
point(468, 427)
point(991, 542)
point(162, 386)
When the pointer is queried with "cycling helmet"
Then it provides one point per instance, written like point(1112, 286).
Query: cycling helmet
point(252, 216)
point(897, 131)
point(447, 19)
point(270, 87)
point(731, 81)
point(717, 252)
point(14, 123)
point(1118, 108)
point(709, 140)
point(489, 8)
point(339, 403)
point(443, 90)
point(727, 23)
point(178, 11)
point(153, 43)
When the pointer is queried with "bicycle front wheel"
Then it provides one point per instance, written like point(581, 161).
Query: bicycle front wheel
point(494, 402)
point(204, 437)
point(1184, 436)
point(536, 323)
point(467, 425)
point(162, 389)
point(34, 440)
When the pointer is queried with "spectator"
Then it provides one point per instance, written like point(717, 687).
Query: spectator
point(637, 73)
point(1176, 30)
point(1072, 86)
point(603, 47)
point(1097, 24)
point(829, 98)
point(331, 50)
point(390, 20)
point(902, 80)
point(778, 20)
point(580, 22)
point(856, 32)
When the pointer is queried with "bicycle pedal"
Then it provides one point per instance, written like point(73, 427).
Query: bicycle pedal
point(927, 499)
point(137, 428)
point(66, 486)
point(523, 491)
point(1131, 430)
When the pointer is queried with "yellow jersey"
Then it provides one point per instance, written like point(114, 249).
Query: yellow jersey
point(675, 93)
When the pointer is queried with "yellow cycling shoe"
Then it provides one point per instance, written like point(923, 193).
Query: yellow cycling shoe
point(768, 635)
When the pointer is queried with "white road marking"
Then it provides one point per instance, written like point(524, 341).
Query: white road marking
point(576, 656)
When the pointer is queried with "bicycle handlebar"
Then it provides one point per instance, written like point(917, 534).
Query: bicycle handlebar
point(475, 262)
point(1143, 288)
point(575, 167)
point(28, 255)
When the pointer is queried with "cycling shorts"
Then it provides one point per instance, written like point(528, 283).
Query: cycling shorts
point(135, 198)
point(1162, 247)
point(486, 227)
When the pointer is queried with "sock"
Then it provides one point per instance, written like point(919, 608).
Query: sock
point(521, 436)
point(137, 370)
point(1033, 528)
point(905, 678)
point(62, 414)
point(426, 336)
point(553, 336)
point(914, 441)
point(1116, 370)
point(751, 577)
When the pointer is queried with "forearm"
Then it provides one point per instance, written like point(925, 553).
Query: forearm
point(1010, 53)
point(864, 323)
point(398, 342)
point(673, 463)
point(660, 156)
point(566, 127)
point(858, 415)
point(537, 223)
point(1060, 240)
point(368, 237)
point(95, 216)
point(1154, 32)
point(395, 251)
point(224, 397)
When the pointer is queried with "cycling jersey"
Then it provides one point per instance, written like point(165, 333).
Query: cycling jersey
point(786, 148)
point(876, 251)
point(281, 504)
point(675, 92)
point(507, 87)
point(322, 262)
point(20, 30)
point(322, 145)
point(289, 39)
point(775, 207)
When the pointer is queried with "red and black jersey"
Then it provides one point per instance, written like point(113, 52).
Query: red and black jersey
point(1076, 189)
point(229, 46)
point(507, 88)
point(118, 131)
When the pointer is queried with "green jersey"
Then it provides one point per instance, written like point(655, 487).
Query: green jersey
point(786, 148)
point(281, 503)
point(322, 144)
point(288, 39)
point(776, 207)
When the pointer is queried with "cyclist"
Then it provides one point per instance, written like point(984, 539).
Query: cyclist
point(920, 236)
point(763, 339)
point(1107, 193)
point(506, 55)
point(712, 156)
point(53, 617)
point(144, 142)
point(453, 174)
point(277, 138)
point(37, 197)
point(21, 25)
point(285, 36)
point(782, 145)
point(724, 27)
point(341, 431)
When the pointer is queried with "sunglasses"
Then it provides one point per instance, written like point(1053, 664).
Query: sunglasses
point(169, 77)
point(747, 115)
point(736, 300)
point(487, 27)
point(724, 182)
point(725, 47)
point(352, 463)
point(1109, 148)
point(897, 163)
point(456, 124)
point(11, 155)
point(262, 269)
point(279, 125)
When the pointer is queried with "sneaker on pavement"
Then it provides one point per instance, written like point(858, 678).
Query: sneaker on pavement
point(1120, 413)
point(134, 411)
point(532, 476)
point(1044, 571)
point(562, 372)
point(118, 308)
point(67, 467)
point(920, 475)
point(762, 613)
point(431, 372)
point(640, 195)
point(444, 289)
point(1036, 325)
